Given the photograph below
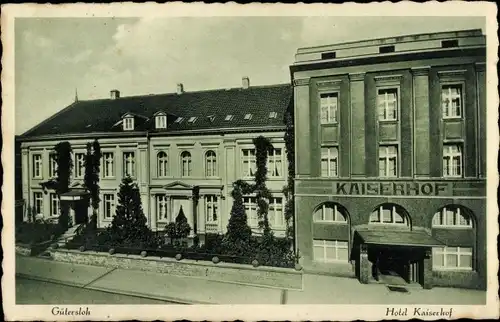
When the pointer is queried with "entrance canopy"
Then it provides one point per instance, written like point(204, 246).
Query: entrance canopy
point(399, 238)
point(74, 195)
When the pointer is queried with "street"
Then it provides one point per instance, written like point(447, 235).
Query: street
point(30, 291)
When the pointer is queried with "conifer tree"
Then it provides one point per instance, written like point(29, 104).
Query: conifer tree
point(237, 239)
point(64, 162)
point(129, 225)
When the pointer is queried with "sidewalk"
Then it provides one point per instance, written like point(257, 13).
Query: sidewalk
point(180, 289)
point(145, 284)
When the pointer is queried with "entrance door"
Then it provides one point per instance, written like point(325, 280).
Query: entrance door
point(81, 212)
point(414, 272)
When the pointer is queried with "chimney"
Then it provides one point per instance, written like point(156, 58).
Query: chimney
point(114, 94)
point(245, 82)
point(180, 88)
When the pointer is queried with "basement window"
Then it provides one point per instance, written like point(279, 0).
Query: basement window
point(449, 43)
point(386, 49)
point(330, 55)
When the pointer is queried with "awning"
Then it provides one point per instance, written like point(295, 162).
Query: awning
point(74, 194)
point(415, 238)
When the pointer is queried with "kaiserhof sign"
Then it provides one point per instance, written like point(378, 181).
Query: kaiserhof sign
point(392, 188)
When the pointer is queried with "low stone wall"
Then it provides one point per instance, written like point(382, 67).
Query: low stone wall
point(24, 250)
point(226, 272)
point(466, 279)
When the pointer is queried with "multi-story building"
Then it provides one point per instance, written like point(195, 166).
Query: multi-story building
point(183, 149)
point(391, 158)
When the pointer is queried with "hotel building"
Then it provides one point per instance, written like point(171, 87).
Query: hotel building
point(391, 158)
point(175, 146)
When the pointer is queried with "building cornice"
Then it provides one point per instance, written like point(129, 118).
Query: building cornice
point(452, 73)
point(145, 134)
point(353, 77)
point(480, 66)
point(301, 82)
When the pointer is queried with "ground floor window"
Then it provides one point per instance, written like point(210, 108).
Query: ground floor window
point(452, 258)
point(37, 202)
point(109, 205)
point(161, 207)
point(54, 204)
point(330, 250)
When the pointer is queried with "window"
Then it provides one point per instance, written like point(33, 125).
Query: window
point(229, 117)
point(210, 164)
point(162, 170)
point(211, 210)
point(387, 102)
point(251, 211)
point(329, 162)
point(128, 123)
point(453, 258)
point(329, 213)
point(192, 119)
point(161, 121)
point(37, 166)
point(273, 115)
point(37, 202)
point(451, 101)
point(386, 49)
point(248, 116)
point(186, 164)
point(52, 165)
point(179, 120)
point(79, 165)
point(330, 250)
point(54, 204)
point(329, 55)
point(161, 207)
point(248, 162)
point(129, 164)
point(211, 118)
point(449, 43)
point(388, 215)
point(276, 217)
point(109, 205)
point(328, 102)
point(451, 217)
point(387, 161)
point(275, 163)
point(108, 160)
point(452, 160)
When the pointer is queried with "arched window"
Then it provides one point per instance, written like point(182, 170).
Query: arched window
point(452, 216)
point(329, 212)
point(210, 164)
point(186, 166)
point(162, 164)
point(389, 214)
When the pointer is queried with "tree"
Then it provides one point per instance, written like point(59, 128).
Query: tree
point(263, 195)
point(129, 225)
point(91, 178)
point(289, 189)
point(64, 162)
point(237, 239)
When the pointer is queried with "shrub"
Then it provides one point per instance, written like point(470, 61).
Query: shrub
point(144, 253)
point(215, 259)
point(111, 251)
point(255, 263)
point(178, 257)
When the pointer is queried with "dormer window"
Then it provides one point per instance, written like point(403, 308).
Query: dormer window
point(179, 120)
point(229, 117)
point(211, 118)
point(273, 115)
point(128, 123)
point(192, 119)
point(161, 121)
point(248, 116)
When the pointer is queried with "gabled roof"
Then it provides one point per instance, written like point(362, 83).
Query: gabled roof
point(89, 116)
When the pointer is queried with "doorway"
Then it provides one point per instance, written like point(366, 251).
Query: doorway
point(396, 265)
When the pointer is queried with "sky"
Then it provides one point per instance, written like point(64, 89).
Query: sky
point(54, 57)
